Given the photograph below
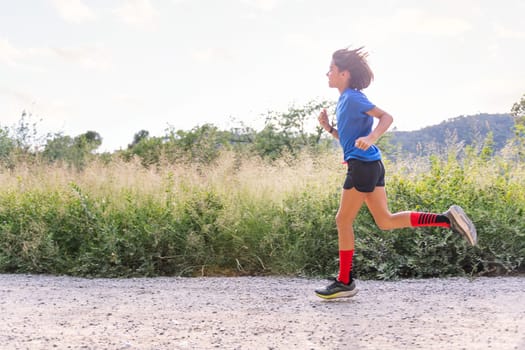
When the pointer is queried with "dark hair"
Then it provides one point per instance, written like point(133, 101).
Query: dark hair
point(355, 62)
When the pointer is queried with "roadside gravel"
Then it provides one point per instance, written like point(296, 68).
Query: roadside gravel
point(47, 312)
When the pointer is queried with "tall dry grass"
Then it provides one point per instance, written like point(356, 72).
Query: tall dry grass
point(247, 216)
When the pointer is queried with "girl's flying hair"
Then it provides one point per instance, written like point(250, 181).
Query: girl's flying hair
point(355, 62)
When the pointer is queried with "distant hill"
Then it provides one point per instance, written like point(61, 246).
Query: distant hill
point(470, 130)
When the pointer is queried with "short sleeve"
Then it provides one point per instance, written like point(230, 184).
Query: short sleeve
point(361, 103)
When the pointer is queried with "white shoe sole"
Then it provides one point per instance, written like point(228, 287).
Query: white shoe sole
point(465, 225)
point(343, 294)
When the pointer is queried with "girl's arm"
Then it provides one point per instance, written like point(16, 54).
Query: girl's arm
point(323, 120)
point(385, 120)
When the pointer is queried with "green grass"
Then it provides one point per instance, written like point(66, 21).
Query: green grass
point(245, 216)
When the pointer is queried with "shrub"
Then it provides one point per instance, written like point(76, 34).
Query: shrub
point(244, 216)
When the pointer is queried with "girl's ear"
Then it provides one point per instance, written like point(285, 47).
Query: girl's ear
point(347, 76)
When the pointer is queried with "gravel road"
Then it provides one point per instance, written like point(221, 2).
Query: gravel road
point(47, 312)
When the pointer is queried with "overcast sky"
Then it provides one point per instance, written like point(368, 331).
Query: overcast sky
point(119, 66)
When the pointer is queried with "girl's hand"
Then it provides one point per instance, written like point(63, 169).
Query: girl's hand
point(323, 120)
point(364, 143)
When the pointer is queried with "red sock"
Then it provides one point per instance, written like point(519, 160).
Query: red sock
point(427, 219)
point(345, 265)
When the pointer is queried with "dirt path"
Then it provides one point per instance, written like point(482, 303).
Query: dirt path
point(44, 312)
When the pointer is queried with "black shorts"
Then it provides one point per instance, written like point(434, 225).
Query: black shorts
point(364, 176)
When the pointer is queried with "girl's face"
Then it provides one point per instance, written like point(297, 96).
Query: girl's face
point(338, 79)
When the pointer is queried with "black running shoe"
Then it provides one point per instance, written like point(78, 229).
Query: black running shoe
point(460, 223)
point(337, 290)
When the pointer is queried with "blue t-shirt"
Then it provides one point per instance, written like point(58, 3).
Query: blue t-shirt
point(353, 123)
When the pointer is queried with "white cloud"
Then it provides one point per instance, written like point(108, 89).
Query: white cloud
point(414, 21)
point(8, 53)
point(23, 98)
point(32, 58)
point(507, 33)
point(262, 5)
point(74, 11)
point(299, 40)
point(443, 26)
point(52, 110)
point(139, 13)
point(211, 55)
point(127, 100)
point(87, 57)
point(19, 58)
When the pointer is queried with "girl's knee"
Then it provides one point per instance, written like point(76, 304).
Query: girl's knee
point(342, 221)
point(383, 225)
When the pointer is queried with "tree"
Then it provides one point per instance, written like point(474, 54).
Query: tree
point(27, 142)
point(25, 133)
point(518, 112)
point(74, 151)
point(202, 144)
point(139, 136)
point(269, 143)
point(487, 152)
point(7, 146)
point(88, 142)
point(518, 109)
point(291, 131)
point(58, 148)
point(148, 149)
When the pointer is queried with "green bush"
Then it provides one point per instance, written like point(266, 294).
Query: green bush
point(243, 216)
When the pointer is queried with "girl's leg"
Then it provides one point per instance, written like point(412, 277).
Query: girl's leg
point(454, 218)
point(385, 220)
point(351, 202)
point(376, 202)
